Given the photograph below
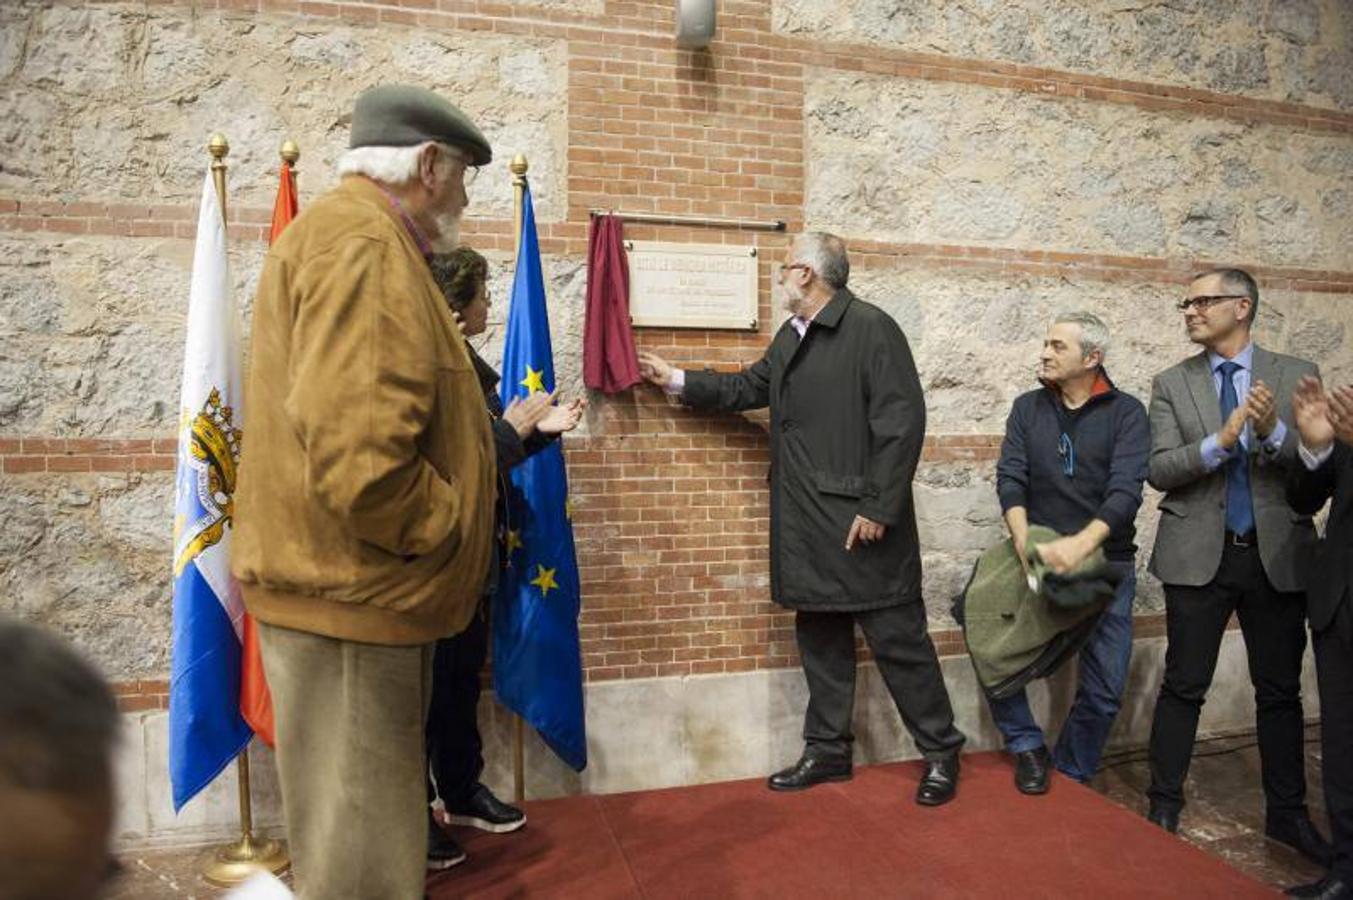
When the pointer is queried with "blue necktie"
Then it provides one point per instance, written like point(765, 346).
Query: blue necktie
point(1239, 508)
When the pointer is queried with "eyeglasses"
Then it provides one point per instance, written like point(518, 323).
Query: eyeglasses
point(1067, 451)
point(1207, 302)
point(471, 173)
point(799, 265)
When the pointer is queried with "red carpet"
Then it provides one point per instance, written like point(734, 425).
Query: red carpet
point(863, 838)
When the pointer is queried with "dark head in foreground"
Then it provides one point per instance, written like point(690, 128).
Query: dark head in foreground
point(58, 722)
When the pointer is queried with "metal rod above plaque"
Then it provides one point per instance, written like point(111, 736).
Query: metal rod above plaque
point(692, 285)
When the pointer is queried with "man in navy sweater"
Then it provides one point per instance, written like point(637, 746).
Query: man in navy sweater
point(1074, 459)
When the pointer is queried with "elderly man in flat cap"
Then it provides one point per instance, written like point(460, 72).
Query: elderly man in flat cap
point(364, 513)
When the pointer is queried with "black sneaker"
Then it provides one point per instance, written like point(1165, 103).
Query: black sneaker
point(486, 812)
point(443, 852)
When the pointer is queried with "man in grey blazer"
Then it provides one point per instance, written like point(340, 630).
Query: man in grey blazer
point(1228, 542)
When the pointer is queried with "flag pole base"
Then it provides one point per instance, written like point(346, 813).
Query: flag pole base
point(237, 861)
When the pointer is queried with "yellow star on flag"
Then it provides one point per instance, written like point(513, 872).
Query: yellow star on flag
point(534, 381)
point(545, 580)
point(512, 541)
point(568, 508)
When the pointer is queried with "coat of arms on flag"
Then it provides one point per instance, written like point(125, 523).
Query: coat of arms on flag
point(206, 479)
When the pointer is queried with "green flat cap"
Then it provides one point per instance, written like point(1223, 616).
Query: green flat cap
point(401, 115)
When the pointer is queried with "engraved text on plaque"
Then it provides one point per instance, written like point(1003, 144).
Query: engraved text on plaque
point(692, 285)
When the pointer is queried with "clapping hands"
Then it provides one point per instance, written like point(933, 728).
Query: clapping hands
point(538, 412)
point(561, 418)
point(1260, 410)
point(1322, 416)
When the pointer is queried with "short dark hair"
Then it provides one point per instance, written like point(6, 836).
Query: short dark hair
point(1240, 282)
point(58, 720)
point(460, 274)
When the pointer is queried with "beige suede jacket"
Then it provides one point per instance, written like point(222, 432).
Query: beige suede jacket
point(364, 509)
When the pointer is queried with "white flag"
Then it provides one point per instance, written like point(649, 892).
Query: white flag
point(206, 730)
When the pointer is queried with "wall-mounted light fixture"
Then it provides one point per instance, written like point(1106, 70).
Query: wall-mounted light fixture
point(695, 23)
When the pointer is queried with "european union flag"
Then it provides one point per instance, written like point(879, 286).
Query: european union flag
point(537, 663)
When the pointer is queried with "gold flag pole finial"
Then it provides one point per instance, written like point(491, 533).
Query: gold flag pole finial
point(236, 861)
point(218, 147)
point(290, 153)
point(519, 167)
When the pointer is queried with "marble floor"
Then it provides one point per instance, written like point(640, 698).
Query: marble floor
point(1224, 818)
point(1225, 812)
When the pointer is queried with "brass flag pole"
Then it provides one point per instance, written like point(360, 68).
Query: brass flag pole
point(234, 862)
point(519, 167)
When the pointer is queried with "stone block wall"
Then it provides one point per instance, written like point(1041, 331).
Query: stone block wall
point(988, 163)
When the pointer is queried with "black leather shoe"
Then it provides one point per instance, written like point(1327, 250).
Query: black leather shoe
point(808, 771)
point(1331, 888)
point(443, 852)
point(1031, 771)
point(486, 812)
point(940, 782)
point(1164, 818)
point(1298, 832)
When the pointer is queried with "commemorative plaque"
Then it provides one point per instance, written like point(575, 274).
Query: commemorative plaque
point(709, 286)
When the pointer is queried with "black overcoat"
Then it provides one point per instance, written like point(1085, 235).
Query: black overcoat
point(1332, 557)
point(847, 420)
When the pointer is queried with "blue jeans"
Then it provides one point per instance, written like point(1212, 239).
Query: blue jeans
point(1103, 676)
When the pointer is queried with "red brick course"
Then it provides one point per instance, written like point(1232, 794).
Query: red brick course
point(141, 695)
point(18, 215)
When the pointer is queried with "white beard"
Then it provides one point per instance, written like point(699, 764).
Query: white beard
point(448, 233)
point(790, 300)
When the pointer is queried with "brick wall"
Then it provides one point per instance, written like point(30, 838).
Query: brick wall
point(670, 506)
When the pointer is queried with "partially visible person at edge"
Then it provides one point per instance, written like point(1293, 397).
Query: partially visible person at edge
point(58, 726)
point(847, 421)
point(364, 512)
point(455, 749)
point(1324, 421)
point(1229, 543)
point(1074, 459)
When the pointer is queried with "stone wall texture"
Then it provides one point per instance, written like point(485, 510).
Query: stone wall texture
point(1294, 50)
point(990, 163)
point(112, 101)
point(968, 164)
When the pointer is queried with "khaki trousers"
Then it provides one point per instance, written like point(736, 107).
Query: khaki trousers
point(350, 761)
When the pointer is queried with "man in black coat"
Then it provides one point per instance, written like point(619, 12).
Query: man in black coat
point(1325, 423)
point(847, 420)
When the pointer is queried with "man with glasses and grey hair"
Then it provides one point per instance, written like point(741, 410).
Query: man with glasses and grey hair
point(1073, 460)
point(847, 420)
point(1228, 542)
point(364, 513)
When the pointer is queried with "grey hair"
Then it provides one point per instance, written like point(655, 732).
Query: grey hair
point(1094, 333)
point(391, 165)
point(826, 255)
point(1239, 281)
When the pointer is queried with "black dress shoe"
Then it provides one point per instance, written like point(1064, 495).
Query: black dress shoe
point(486, 812)
point(940, 782)
point(808, 771)
point(1298, 832)
point(1031, 771)
point(1164, 818)
point(1331, 888)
